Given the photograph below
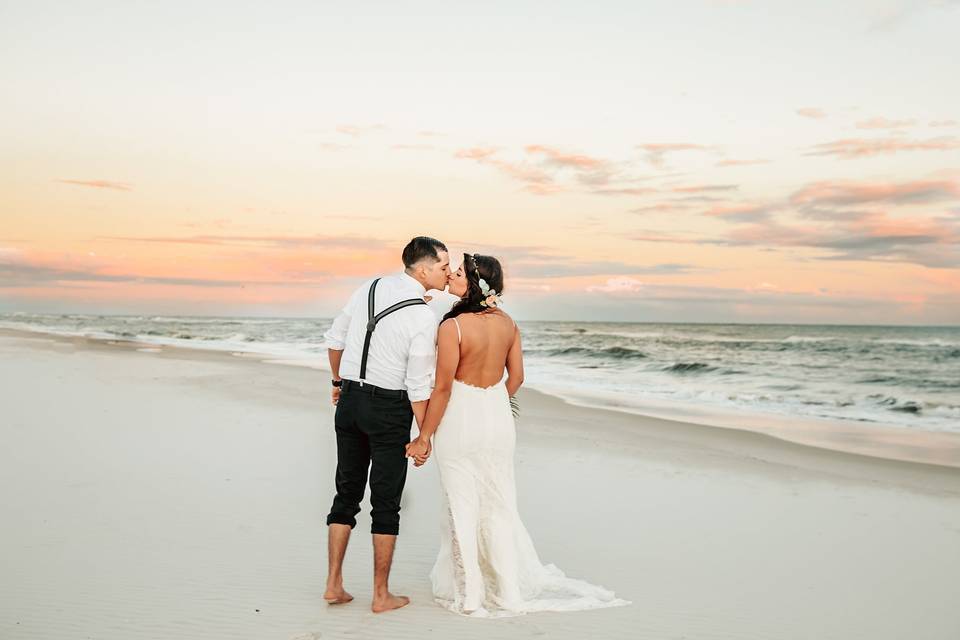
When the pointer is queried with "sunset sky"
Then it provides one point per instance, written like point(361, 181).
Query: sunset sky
point(680, 161)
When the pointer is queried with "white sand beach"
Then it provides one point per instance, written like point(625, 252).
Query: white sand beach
point(161, 493)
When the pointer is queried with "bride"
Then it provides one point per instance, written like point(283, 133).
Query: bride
point(487, 565)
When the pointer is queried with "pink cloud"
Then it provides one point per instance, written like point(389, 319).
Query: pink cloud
point(811, 112)
point(99, 184)
point(662, 207)
point(862, 148)
point(737, 163)
point(740, 212)
point(884, 123)
point(359, 130)
point(560, 158)
point(656, 152)
point(700, 188)
point(617, 285)
point(855, 193)
point(943, 123)
point(413, 147)
point(476, 153)
point(625, 191)
point(535, 179)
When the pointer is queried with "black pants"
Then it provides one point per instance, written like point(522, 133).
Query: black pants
point(372, 432)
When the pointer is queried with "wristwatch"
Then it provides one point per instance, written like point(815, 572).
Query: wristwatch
point(337, 383)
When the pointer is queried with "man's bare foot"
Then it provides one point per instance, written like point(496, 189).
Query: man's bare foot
point(337, 596)
point(388, 603)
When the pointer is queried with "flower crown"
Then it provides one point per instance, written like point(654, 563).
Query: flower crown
point(490, 296)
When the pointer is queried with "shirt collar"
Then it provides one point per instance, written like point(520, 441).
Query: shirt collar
point(413, 283)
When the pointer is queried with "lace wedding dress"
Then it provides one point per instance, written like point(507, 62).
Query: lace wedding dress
point(487, 565)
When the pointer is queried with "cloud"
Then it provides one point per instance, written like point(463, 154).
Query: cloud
point(477, 153)
point(545, 170)
point(884, 123)
point(657, 152)
point(851, 148)
point(625, 191)
point(833, 220)
point(413, 147)
point(534, 179)
point(894, 15)
point(356, 130)
point(698, 199)
point(741, 212)
point(563, 159)
point(699, 188)
point(587, 169)
point(278, 241)
point(738, 163)
point(931, 242)
point(811, 112)
point(332, 146)
point(617, 285)
point(942, 123)
point(855, 193)
point(99, 184)
point(535, 262)
point(662, 207)
point(18, 273)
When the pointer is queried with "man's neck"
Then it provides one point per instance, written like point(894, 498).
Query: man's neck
point(422, 284)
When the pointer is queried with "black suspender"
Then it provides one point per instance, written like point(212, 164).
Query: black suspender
point(373, 319)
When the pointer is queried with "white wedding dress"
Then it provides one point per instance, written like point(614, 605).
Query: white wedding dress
point(487, 565)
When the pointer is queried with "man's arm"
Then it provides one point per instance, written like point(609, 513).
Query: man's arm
point(448, 358)
point(421, 363)
point(335, 339)
point(335, 355)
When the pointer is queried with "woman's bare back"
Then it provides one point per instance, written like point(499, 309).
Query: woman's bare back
point(485, 342)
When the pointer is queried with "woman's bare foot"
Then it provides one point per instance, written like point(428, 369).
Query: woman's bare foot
point(388, 603)
point(336, 595)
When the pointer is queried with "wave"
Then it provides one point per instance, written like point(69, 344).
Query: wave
point(615, 353)
point(689, 367)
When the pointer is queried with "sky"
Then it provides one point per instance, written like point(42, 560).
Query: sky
point(686, 161)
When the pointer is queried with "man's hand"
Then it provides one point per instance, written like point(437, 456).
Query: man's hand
point(335, 395)
point(419, 450)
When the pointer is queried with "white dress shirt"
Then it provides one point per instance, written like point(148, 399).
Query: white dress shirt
point(441, 302)
point(403, 349)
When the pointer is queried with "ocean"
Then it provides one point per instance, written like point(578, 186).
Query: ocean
point(907, 377)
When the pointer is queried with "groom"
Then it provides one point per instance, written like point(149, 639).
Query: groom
point(382, 350)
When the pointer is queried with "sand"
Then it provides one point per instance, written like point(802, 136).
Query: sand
point(182, 494)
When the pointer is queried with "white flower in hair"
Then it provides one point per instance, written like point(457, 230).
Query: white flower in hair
point(491, 297)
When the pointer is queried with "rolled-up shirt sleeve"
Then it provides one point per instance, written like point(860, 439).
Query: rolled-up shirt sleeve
point(422, 360)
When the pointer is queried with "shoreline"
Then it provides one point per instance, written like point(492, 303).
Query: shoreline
point(879, 441)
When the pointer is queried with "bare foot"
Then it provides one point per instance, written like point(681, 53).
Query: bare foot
point(337, 596)
point(388, 603)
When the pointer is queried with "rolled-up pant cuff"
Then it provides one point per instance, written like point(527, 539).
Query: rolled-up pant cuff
point(385, 529)
point(340, 518)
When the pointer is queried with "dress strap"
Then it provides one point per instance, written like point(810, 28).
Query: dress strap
point(458, 329)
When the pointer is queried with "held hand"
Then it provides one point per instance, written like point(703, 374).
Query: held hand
point(419, 450)
point(420, 461)
point(335, 395)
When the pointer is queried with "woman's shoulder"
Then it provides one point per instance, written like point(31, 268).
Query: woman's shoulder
point(507, 317)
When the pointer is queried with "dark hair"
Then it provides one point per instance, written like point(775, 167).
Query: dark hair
point(421, 247)
point(475, 267)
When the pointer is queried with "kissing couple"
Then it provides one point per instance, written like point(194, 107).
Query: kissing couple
point(392, 364)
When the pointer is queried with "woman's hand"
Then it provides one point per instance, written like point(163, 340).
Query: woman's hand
point(419, 449)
